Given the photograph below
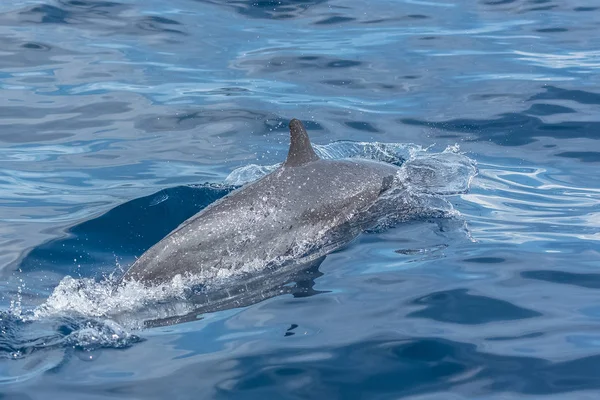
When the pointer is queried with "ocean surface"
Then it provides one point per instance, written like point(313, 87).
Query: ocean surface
point(119, 119)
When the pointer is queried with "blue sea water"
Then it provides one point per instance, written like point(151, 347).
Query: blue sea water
point(120, 118)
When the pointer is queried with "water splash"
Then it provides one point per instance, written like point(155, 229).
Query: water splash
point(447, 173)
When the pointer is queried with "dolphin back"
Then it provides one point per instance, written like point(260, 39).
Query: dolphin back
point(307, 207)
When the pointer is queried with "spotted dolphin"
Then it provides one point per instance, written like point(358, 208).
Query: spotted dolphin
point(306, 208)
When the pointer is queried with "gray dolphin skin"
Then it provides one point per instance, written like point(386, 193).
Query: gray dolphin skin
point(306, 208)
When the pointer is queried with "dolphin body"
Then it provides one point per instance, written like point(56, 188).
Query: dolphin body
point(306, 208)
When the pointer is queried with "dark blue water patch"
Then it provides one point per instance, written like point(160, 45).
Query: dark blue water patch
point(583, 156)
point(552, 30)
point(497, 2)
point(107, 17)
point(70, 12)
point(459, 307)
point(406, 20)
point(45, 14)
point(334, 20)
point(362, 126)
point(556, 93)
point(369, 370)
point(585, 8)
point(154, 24)
point(268, 9)
point(377, 21)
point(229, 91)
point(280, 64)
point(522, 6)
point(36, 46)
point(586, 280)
point(514, 129)
point(491, 96)
point(393, 367)
point(485, 260)
point(358, 84)
point(127, 230)
point(14, 396)
point(548, 109)
point(532, 335)
point(290, 330)
point(546, 8)
point(90, 4)
point(542, 5)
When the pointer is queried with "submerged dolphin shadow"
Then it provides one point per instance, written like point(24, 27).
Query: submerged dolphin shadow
point(90, 248)
point(299, 282)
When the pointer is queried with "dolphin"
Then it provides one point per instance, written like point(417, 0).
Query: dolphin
point(305, 209)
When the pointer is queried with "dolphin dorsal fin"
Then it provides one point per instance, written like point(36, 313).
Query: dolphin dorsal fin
point(301, 151)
